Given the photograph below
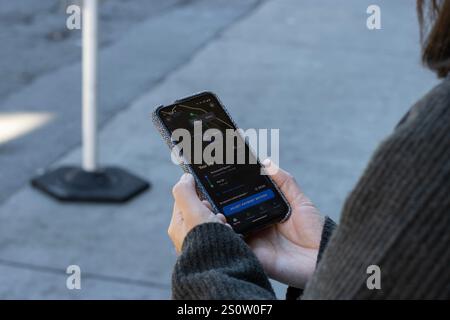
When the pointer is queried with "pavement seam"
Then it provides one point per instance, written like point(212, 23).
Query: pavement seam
point(85, 275)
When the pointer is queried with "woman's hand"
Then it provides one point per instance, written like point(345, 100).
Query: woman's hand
point(288, 251)
point(188, 211)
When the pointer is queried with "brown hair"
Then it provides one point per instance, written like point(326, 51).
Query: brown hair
point(434, 20)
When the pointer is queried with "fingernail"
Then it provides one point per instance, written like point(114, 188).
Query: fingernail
point(266, 162)
point(186, 176)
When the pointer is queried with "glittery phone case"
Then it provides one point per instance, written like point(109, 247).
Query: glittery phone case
point(165, 134)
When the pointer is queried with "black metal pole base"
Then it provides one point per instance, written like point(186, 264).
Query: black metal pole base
point(109, 184)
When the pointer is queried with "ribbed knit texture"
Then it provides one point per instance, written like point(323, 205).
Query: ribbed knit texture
point(397, 217)
point(217, 264)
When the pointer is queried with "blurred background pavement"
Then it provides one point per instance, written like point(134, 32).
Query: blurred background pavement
point(310, 68)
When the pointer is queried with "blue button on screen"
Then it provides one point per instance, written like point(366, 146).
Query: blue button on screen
point(247, 202)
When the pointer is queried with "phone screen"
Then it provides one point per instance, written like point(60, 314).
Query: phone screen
point(246, 197)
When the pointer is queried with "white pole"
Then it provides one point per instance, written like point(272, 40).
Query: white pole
point(89, 87)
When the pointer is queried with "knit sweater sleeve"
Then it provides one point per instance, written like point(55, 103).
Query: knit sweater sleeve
point(216, 263)
point(393, 238)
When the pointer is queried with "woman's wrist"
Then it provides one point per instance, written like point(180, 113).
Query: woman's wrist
point(296, 277)
point(306, 260)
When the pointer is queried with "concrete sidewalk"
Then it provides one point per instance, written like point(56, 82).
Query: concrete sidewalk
point(334, 88)
point(135, 62)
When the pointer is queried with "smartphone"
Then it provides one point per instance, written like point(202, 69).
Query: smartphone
point(234, 182)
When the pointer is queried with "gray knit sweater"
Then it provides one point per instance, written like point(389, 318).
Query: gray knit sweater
point(397, 217)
